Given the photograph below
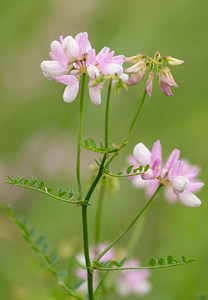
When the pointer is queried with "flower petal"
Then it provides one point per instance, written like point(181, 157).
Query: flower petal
point(111, 69)
point(71, 48)
point(53, 68)
point(95, 95)
point(142, 154)
point(189, 199)
point(70, 92)
point(67, 79)
point(165, 88)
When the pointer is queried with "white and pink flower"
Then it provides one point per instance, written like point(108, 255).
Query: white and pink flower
point(178, 176)
point(133, 282)
point(72, 57)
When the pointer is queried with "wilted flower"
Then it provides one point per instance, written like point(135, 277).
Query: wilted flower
point(177, 175)
point(133, 282)
point(141, 64)
point(72, 57)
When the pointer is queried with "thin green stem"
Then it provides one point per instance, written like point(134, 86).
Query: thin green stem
point(86, 253)
point(96, 180)
point(99, 211)
point(124, 232)
point(135, 116)
point(107, 114)
point(125, 139)
point(80, 135)
point(136, 235)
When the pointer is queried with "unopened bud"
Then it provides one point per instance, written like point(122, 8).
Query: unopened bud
point(173, 61)
point(142, 154)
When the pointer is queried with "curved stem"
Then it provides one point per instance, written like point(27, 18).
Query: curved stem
point(80, 135)
point(107, 114)
point(125, 139)
point(99, 210)
point(135, 116)
point(115, 241)
point(86, 253)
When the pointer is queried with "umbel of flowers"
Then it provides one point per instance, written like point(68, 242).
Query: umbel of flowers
point(72, 57)
point(71, 60)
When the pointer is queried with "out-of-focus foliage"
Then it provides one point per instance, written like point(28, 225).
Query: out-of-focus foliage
point(38, 136)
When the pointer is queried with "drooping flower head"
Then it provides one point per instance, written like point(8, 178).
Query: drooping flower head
point(72, 57)
point(142, 64)
point(177, 175)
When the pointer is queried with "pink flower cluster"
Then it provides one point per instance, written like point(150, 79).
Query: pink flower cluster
point(177, 175)
point(128, 282)
point(141, 64)
point(72, 57)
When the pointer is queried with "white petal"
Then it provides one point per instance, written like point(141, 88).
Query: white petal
point(93, 71)
point(95, 95)
point(189, 199)
point(70, 92)
point(54, 46)
point(142, 154)
point(52, 69)
point(180, 184)
point(71, 48)
point(124, 77)
point(111, 69)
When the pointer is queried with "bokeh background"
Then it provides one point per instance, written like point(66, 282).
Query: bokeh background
point(38, 137)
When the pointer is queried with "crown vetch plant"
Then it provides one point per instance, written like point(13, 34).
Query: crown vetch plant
point(72, 61)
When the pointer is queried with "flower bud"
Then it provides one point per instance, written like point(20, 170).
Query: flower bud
point(180, 184)
point(142, 154)
point(173, 61)
point(133, 59)
point(138, 67)
point(149, 84)
point(189, 199)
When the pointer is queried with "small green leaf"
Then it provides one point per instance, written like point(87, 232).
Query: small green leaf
point(87, 143)
point(9, 178)
point(20, 179)
point(41, 185)
point(49, 190)
point(60, 190)
point(129, 169)
point(152, 262)
point(140, 168)
point(146, 168)
point(62, 194)
point(62, 273)
point(92, 142)
point(183, 259)
point(106, 263)
point(45, 249)
point(161, 261)
point(33, 182)
point(25, 182)
point(77, 284)
point(39, 240)
point(116, 263)
point(32, 232)
point(54, 259)
point(170, 259)
point(71, 194)
point(119, 173)
point(122, 262)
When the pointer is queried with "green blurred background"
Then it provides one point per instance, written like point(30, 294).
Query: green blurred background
point(38, 136)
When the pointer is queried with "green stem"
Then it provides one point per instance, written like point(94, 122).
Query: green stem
point(136, 235)
point(107, 114)
point(86, 253)
point(96, 180)
point(99, 211)
point(135, 116)
point(125, 139)
point(115, 241)
point(80, 135)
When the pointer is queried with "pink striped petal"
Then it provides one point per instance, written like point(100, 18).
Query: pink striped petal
point(67, 79)
point(173, 158)
point(165, 88)
point(195, 186)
